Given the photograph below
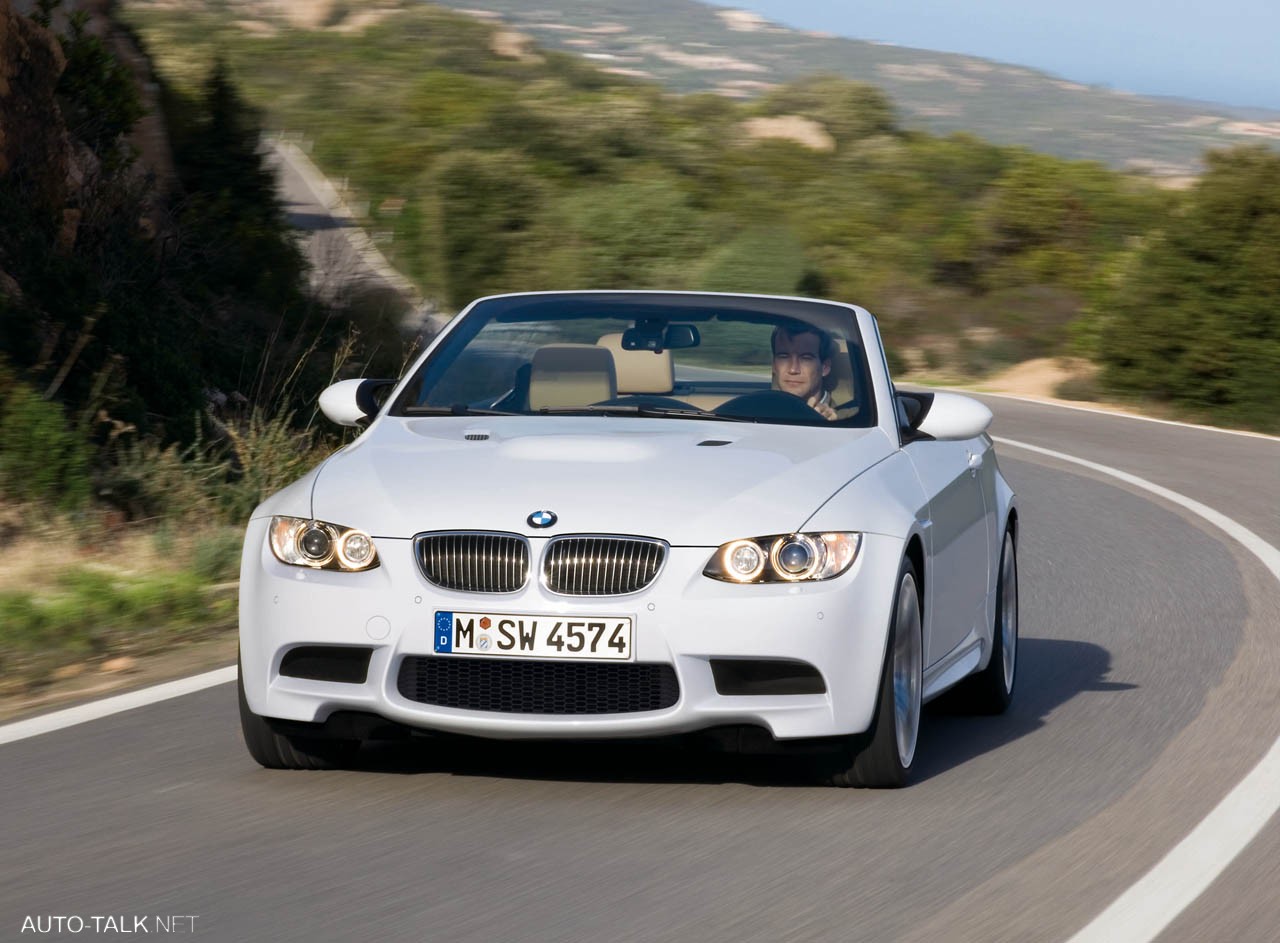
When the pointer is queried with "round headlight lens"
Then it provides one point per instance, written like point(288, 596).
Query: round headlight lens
point(795, 557)
point(743, 560)
point(355, 549)
point(316, 544)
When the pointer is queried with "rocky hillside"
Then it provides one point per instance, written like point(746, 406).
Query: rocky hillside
point(696, 47)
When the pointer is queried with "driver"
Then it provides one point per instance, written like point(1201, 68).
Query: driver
point(802, 363)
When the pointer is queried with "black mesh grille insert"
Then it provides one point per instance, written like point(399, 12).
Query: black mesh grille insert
point(474, 562)
point(601, 566)
point(514, 686)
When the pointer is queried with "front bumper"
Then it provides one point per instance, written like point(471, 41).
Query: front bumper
point(683, 619)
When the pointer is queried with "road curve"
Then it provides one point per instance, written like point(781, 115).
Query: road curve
point(1148, 688)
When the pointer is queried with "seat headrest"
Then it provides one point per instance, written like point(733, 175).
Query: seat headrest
point(640, 371)
point(840, 380)
point(571, 375)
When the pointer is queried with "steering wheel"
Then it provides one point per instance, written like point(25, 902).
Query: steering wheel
point(768, 404)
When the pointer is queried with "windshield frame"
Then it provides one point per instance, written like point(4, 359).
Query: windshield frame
point(837, 318)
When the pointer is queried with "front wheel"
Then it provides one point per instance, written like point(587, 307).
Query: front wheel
point(882, 757)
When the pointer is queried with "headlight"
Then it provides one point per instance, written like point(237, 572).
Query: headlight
point(320, 545)
point(784, 558)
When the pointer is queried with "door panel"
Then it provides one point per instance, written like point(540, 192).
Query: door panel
point(957, 582)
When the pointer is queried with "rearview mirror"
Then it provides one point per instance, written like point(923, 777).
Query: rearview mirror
point(658, 336)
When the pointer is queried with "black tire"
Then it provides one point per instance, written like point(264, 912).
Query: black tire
point(878, 759)
point(286, 751)
point(990, 691)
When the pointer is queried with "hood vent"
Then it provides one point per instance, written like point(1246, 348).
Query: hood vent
point(715, 442)
point(477, 436)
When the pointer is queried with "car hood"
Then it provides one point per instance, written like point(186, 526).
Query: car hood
point(689, 482)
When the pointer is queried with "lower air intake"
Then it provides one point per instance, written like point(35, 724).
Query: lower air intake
point(517, 686)
point(341, 663)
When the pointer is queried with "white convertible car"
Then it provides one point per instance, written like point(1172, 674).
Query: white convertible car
point(629, 514)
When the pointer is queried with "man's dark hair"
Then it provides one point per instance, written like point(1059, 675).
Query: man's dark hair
point(793, 328)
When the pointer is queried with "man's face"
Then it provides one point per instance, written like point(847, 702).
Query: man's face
point(797, 368)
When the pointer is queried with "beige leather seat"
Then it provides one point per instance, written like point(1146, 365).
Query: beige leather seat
point(840, 380)
point(571, 375)
point(640, 371)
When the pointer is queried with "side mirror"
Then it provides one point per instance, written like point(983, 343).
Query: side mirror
point(949, 416)
point(353, 402)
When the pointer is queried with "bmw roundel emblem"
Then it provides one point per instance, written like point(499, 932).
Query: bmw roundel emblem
point(542, 518)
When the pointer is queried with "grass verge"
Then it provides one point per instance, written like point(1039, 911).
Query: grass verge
point(74, 604)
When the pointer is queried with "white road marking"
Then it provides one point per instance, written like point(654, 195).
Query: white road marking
point(47, 723)
point(1114, 412)
point(1142, 912)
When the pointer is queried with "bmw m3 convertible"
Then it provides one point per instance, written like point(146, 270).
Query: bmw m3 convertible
point(631, 514)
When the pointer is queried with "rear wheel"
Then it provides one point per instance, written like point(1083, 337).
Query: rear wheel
point(882, 757)
point(991, 690)
point(287, 751)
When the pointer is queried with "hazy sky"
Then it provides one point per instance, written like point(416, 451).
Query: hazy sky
point(1215, 50)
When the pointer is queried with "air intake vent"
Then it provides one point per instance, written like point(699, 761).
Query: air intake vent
point(601, 566)
point(474, 561)
point(515, 686)
point(341, 663)
point(476, 436)
point(715, 442)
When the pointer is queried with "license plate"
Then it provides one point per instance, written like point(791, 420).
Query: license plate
point(529, 636)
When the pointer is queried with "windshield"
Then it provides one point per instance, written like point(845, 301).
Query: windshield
point(678, 356)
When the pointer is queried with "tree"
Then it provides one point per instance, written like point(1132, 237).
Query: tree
point(849, 110)
point(489, 200)
point(233, 215)
point(1195, 320)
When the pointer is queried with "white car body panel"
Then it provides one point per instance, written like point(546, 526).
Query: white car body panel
point(646, 477)
point(642, 477)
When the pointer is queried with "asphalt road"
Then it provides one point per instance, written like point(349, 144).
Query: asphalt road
point(1148, 687)
point(1149, 684)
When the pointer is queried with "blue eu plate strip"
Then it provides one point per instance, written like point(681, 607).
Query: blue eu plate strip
point(444, 632)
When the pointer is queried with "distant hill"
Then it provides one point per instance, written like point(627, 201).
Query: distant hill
point(692, 46)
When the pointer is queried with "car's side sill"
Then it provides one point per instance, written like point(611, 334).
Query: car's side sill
point(958, 664)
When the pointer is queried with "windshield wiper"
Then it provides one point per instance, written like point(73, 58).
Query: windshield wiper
point(461, 409)
point(626, 410)
point(457, 409)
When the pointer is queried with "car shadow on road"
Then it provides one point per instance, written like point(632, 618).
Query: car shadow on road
point(1051, 672)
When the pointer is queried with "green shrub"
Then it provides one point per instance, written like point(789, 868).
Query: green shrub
point(42, 459)
point(217, 555)
point(268, 452)
point(147, 480)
